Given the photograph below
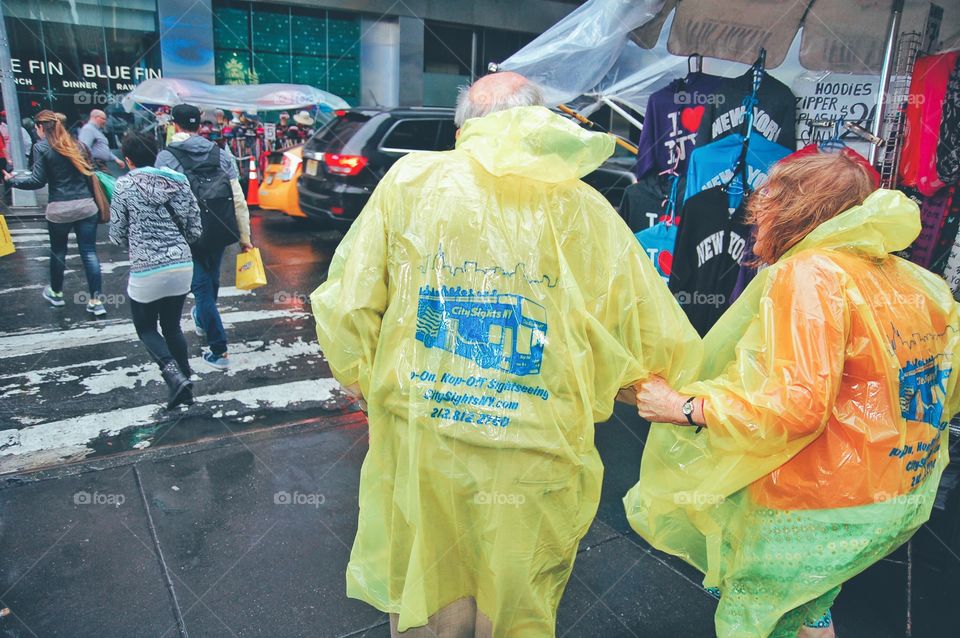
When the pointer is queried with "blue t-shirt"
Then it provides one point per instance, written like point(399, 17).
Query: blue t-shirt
point(658, 241)
point(712, 165)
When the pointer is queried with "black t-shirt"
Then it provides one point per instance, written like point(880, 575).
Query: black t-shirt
point(646, 201)
point(711, 245)
point(775, 116)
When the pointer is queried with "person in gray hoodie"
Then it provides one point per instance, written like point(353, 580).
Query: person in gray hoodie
point(156, 216)
point(197, 156)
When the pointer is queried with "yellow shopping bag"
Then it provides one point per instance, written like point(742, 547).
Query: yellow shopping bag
point(6, 241)
point(250, 272)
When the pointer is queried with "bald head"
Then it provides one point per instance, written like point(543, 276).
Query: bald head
point(98, 117)
point(496, 92)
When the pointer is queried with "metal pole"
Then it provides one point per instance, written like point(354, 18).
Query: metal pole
point(877, 128)
point(616, 107)
point(8, 86)
point(12, 106)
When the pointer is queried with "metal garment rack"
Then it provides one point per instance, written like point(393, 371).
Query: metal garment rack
point(851, 127)
point(908, 48)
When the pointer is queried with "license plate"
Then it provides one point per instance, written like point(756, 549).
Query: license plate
point(311, 167)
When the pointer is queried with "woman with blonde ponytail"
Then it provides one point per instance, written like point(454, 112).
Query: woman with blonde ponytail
point(63, 164)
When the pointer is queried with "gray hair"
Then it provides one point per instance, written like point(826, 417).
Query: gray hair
point(526, 94)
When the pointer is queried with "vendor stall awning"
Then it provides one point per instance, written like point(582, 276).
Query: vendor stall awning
point(845, 36)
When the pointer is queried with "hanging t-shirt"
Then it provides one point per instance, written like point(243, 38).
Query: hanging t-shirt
point(712, 165)
point(951, 271)
point(775, 115)
point(711, 245)
point(672, 121)
point(924, 114)
point(948, 148)
point(644, 203)
point(658, 242)
point(948, 232)
point(933, 217)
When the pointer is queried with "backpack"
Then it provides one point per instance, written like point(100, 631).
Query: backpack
point(211, 186)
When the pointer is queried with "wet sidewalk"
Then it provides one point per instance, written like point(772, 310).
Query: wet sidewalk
point(250, 535)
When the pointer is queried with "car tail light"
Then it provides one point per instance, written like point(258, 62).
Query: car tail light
point(340, 113)
point(345, 164)
point(336, 210)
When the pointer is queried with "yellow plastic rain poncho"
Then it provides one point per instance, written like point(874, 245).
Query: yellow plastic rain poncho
point(829, 385)
point(490, 305)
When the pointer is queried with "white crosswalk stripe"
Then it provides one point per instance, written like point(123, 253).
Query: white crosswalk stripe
point(67, 439)
point(70, 384)
point(34, 343)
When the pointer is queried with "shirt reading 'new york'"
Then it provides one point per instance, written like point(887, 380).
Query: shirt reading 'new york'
point(711, 246)
point(774, 116)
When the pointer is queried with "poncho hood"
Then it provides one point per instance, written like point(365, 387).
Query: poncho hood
point(886, 222)
point(533, 142)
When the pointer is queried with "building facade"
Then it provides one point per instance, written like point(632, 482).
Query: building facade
point(74, 55)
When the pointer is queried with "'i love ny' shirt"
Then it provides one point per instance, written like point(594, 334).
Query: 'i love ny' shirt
point(673, 118)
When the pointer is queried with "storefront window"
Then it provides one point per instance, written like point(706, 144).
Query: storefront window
point(453, 56)
point(259, 43)
point(74, 56)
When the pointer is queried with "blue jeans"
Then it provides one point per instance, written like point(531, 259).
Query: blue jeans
point(205, 288)
point(86, 232)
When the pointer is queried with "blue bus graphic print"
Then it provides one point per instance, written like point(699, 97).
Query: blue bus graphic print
point(496, 331)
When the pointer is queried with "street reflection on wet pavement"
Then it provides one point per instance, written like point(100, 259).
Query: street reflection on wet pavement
point(235, 517)
point(74, 386)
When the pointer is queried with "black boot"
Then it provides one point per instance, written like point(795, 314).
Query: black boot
point(187, 372)
point(185, 368)
point(179, 385)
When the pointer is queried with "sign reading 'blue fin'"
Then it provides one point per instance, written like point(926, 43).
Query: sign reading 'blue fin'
point(495, 331)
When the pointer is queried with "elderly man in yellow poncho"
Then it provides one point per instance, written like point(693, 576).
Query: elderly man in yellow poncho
point(488, 305)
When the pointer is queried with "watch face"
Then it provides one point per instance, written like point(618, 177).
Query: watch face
point(688, 408)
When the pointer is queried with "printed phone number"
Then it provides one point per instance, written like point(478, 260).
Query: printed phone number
point(466, 416)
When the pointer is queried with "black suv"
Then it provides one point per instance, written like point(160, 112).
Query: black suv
point(345, 160)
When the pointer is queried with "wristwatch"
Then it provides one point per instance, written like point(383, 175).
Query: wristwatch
point(688, 410)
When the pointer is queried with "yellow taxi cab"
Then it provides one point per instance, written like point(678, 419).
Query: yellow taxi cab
point(279, 188)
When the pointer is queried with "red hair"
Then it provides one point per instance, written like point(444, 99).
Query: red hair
point(801, 194)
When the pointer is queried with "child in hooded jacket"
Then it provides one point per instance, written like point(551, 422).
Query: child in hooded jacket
point(156, 216)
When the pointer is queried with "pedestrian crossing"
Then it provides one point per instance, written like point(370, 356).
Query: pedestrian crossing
point(67, 381)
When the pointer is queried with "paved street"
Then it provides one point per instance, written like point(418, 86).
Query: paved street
point(235, 517)
point(70, 384)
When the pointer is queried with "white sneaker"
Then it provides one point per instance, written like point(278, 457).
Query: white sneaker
point(95, 307)
point(55, 298)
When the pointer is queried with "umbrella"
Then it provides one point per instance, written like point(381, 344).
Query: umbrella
point(235, 97)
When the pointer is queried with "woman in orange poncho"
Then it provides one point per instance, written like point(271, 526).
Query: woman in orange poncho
point(824, 401)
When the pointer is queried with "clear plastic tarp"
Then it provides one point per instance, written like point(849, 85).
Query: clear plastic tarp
point(591, 57)
point(250, 98)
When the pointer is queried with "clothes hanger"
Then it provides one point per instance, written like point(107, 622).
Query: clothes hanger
point(749, 103)
point(669, 204)
point(694, 63)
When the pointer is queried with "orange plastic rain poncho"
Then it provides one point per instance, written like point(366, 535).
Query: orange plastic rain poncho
point(829, 386)
point(490, 305)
